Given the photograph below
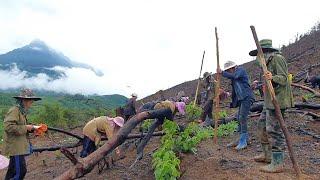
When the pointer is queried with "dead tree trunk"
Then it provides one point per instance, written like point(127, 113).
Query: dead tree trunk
point(316, 93)
point(55, 148)
point(258, 107)
point(85, 165)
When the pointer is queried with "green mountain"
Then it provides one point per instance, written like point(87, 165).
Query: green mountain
point(37, 57)
point(64, 110)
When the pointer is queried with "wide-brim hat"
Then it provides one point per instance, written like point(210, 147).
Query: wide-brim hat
point(117, 120)
point(27, 94)
point(134, 95)
point(206, 75)
point(266, 45)
point(229, 65)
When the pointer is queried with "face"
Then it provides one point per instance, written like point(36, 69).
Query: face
point(231, 70)
point(27, 103)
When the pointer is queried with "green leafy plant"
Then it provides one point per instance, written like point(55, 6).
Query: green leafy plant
point(227, 129)
point(146, 125)
point(165, 162)
point(308, 96)
point(223, 114)
point(193, 112)
point(191, 137)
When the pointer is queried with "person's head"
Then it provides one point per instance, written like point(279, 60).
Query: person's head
point(117, 121)
point(181, 106)
point(206, 75)
point(267, 49)
point(230, 66)
point(134, 95)
point(26, 98)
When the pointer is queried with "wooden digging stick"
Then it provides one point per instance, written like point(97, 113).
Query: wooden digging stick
point(195, 98)
point(217, 91)
point(276, 104)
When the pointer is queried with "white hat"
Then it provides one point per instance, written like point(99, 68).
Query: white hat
point(134, 95)
point(229, 65)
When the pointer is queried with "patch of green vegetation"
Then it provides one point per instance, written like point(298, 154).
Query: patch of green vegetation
point(193, 112)
point(165, 162)
point(146, 125)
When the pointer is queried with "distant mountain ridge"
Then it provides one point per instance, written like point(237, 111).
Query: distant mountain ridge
point(37, 57)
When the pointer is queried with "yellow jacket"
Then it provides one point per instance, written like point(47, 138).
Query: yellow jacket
point(98, 126)
point(166, 104)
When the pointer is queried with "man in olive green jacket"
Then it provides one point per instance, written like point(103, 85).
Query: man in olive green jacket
point(271, 135)
point(16, 143)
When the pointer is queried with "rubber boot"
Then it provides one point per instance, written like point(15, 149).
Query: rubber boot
point(276, 165)
point(233, 143)
point(265, 156)
point(243, 141)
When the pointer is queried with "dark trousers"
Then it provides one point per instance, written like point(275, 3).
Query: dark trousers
point(17, 168)
point(244, 110)
point(159, 121)
point(88, 147)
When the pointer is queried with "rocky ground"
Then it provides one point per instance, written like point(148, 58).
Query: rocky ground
point(210, 162)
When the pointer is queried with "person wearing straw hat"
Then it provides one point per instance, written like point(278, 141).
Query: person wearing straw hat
point(271, 136)
point(16, 141)
point(242, 97)
point(97, 127)
point(130, 107)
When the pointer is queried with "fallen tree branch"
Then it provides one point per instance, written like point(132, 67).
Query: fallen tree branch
point(65, 132)
point(258, 107)
point(316, 93)
point(312, 114)
point(314, 135)
point(69, 155)
point(86, 164)
point(55, 148)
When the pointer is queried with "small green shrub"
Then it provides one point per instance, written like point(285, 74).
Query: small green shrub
point(146, 125)
point(193, 112)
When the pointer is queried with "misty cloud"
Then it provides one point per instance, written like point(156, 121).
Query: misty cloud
point(76, 80)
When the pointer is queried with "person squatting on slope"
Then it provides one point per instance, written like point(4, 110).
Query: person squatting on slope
point(16, 141)
point(242, 97)
point(270, 132)
point(206, 118)
point(174, 108)
point(95, 128)
point(130, 108)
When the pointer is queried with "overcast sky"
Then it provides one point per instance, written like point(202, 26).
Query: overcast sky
point(143, 46)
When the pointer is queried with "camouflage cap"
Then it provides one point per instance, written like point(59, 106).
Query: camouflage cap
point(27, 94)
point(266, 45)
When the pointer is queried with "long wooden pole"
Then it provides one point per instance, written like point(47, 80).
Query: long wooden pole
point(276, 104)
point(195, 98)
point(217, 88)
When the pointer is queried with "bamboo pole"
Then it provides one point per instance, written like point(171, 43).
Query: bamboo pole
point(195, 98)
point(276, 104)
point(217, 92)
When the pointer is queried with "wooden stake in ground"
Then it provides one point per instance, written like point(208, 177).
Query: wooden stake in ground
point(195, 98)
point(276, 104)
point(217, 91)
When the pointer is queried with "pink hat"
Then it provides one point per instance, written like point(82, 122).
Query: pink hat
point(181, 107)
point(118, 120)
point(4, 162)
point(185, 99)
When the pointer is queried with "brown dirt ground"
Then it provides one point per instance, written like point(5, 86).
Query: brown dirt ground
point(210, 162)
